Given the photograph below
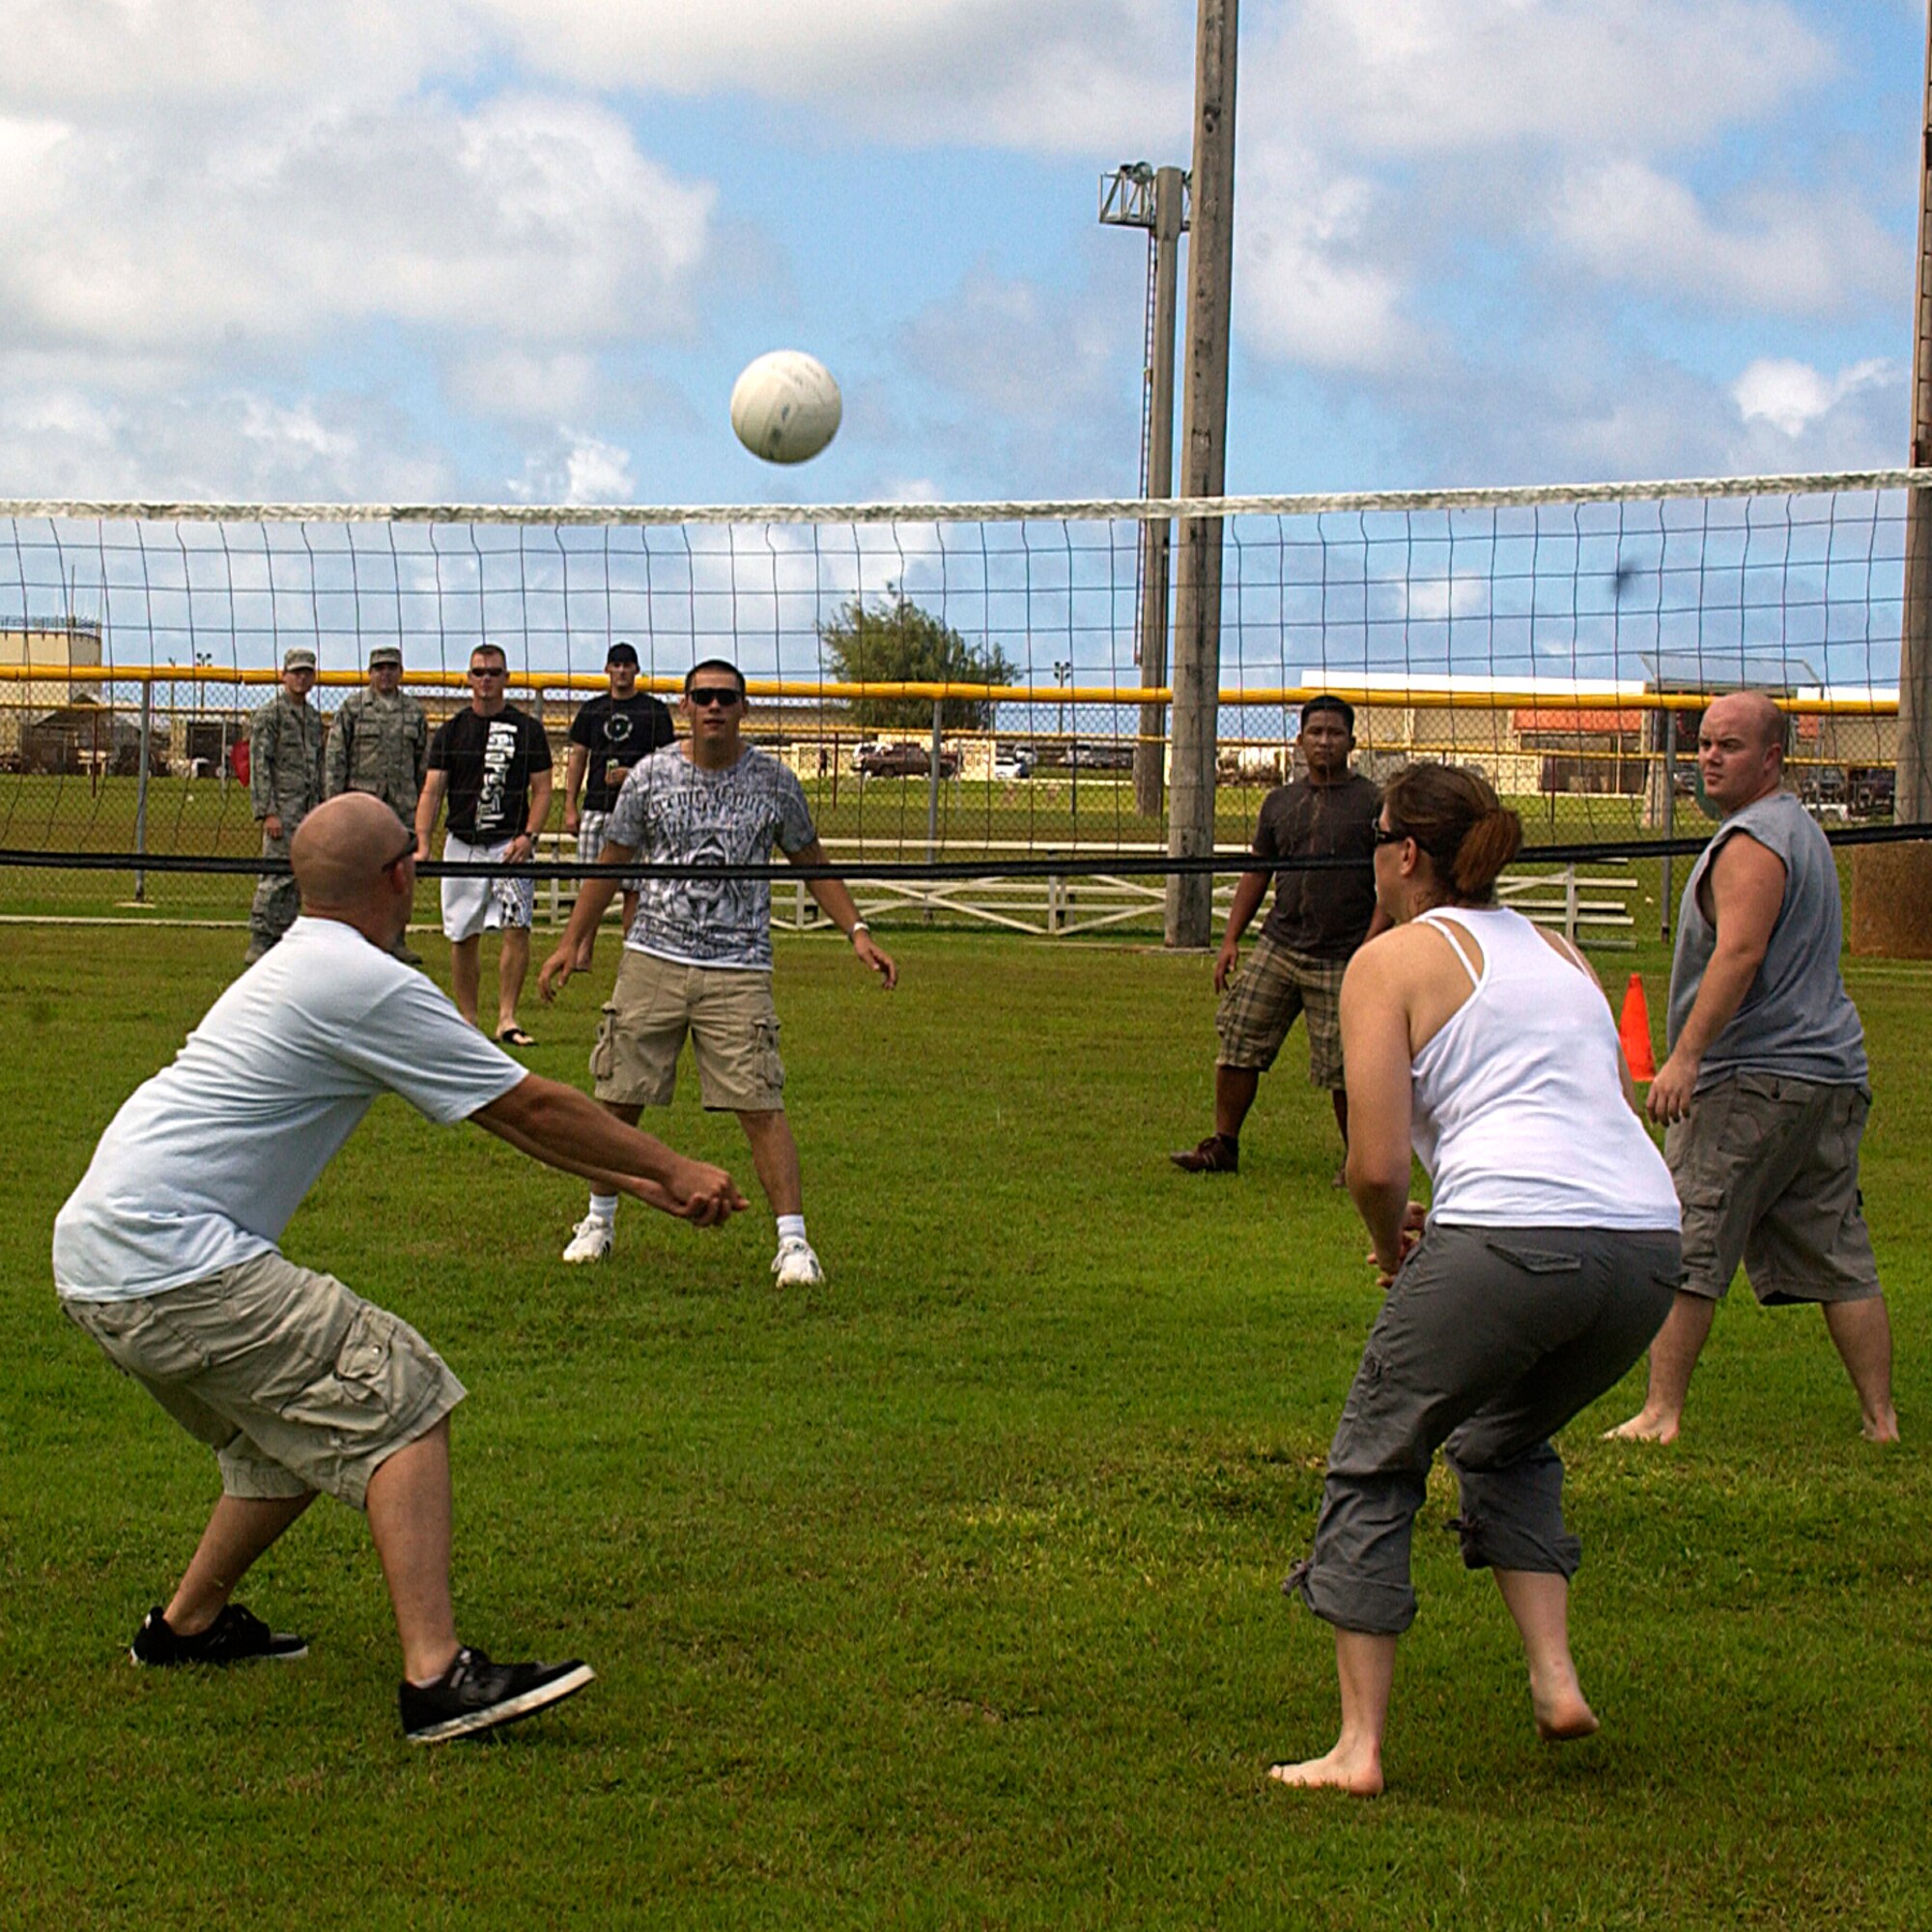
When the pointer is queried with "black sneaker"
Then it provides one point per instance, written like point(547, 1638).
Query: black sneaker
point(236, 1637)
point(473, 1694)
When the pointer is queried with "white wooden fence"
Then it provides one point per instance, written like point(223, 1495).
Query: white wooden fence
point(1590, 909)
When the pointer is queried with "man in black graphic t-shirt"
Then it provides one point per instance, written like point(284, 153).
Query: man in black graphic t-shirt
point(493, 761)
point(608, 736)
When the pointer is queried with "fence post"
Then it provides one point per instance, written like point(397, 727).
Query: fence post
point(1664, 891)
point(1570, 903)
point(141, 786)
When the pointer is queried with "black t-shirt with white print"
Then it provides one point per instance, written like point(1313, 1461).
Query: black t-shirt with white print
point(616, 733)
point(490, 761)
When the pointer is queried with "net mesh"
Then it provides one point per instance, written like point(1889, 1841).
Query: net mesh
point(1563, 641)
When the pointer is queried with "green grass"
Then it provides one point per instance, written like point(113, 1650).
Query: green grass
point(948, 1593)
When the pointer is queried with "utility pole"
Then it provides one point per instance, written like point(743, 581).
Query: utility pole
point(1891, 885)
point(1155, 199)
point(1913, 801)
point(1203, 471)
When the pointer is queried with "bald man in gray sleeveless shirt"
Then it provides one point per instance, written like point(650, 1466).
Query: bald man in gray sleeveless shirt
point(1765, 1089)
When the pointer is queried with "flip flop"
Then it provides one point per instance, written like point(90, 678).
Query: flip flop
point(513, 1035)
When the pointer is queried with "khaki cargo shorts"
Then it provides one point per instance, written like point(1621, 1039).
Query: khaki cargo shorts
point(1767, 1172)
point(732, 1024)
point(1273, 986)
point(296, 1382)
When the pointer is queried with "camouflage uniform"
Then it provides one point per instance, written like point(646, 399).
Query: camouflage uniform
point(284, 777)
point(377, 745)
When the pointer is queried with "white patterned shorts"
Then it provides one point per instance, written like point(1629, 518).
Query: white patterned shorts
point(480, 904)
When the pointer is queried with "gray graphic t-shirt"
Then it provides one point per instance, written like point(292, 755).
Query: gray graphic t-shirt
point(676, 813)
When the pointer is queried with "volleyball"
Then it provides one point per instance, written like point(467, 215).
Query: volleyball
point(786, 406)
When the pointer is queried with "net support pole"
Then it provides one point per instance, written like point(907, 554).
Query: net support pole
point(933, 786)
point(141, 784)
point(1667, 893)
point(1914, 800)
point(1157, 536)
point(1197, 616)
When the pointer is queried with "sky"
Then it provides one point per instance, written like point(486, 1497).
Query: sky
point(517, 250)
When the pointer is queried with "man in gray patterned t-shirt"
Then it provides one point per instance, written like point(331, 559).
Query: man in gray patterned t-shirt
point(1766, 1088)
point(697, 959)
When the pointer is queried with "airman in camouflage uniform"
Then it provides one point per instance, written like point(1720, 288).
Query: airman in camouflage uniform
point(380, 739)
point(379, 744)
point(284, 786)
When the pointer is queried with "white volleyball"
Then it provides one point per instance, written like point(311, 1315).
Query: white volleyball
point(786, 406)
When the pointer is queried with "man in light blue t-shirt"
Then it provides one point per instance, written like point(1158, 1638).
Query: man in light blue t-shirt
point(168, 1256)
point(1765, 1090)
point(697, 959)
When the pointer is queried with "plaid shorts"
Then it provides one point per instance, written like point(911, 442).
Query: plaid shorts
point(1273, 985)
point(590, 843)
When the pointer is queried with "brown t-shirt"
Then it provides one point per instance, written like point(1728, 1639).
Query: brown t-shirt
point(1324, 912)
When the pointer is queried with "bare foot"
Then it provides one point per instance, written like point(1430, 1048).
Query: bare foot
point(1562, 1718)
point(1647, 1424)
point(1360, 1777)
point(1881, 1428)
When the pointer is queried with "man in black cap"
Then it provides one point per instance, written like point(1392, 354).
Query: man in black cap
point(608, 736)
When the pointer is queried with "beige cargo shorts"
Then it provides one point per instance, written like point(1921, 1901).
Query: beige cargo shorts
point(295, 1381)
point(730, 1017)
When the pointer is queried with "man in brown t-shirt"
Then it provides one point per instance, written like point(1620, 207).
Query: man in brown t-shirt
point(1320, 918)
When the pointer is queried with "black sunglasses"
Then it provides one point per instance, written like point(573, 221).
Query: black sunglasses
point(408, 852)
point(1387, 834)
point(489, 671)
point(712, 694)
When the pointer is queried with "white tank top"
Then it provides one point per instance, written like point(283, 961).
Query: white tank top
point(1518, 1104)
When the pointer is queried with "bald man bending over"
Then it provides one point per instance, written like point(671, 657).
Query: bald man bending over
point(1765, 1089)
point(166, 1255)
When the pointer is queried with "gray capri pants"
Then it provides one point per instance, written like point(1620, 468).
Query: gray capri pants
point(1491, 1340)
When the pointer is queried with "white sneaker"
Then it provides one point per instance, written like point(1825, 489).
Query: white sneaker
point(795, 1265)
point(591, 1240)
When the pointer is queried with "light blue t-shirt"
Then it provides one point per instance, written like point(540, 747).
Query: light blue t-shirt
point(1795, 1019)
point(205, 1164)
point(673, 813)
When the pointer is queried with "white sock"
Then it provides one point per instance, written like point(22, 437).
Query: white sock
point(603, 1209)
point(791, 1228)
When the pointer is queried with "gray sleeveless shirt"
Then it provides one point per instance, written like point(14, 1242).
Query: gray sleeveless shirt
point(1795, 1019)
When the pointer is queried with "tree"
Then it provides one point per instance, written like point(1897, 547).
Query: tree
point(899, 643)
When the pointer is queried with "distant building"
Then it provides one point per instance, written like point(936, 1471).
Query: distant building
point(40, 645)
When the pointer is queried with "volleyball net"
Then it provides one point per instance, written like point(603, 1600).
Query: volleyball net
point(962, 686)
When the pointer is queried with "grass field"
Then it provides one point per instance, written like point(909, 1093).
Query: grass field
point(946, 1593)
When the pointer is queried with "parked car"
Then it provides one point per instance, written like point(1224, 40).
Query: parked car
point(1100, 758)
point(1016, 762)
point(903, 761)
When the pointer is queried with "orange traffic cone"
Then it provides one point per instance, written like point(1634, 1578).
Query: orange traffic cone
point(1634, 1030)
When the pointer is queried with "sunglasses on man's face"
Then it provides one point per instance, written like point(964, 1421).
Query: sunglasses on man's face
point(712, 693)
point(402, 857)
point(489, 671)
point(1387, 834)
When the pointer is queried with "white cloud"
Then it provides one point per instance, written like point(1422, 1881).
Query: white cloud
point(1793, 398)
point(531, 214)
point(1421, 76)
point(113, 60)
point(1311, 285)
point(579, 468)
point(1808, 253)
point(1109, 76)
point(65, 441)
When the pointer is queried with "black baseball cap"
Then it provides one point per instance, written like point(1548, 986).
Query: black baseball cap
point(622, 654)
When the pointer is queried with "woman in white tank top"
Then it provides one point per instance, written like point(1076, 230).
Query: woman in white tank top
point(1545, 1264)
